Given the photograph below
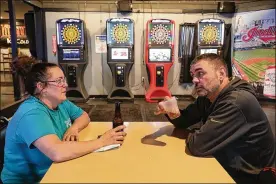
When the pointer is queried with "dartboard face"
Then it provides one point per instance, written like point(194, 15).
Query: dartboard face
point(120, 33)
point(160, 34)
point(71, 34)
point(209, 34)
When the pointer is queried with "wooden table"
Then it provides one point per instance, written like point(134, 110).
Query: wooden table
point(153, 152)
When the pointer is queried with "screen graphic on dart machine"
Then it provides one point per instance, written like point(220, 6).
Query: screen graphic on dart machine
point(205, 51)
point(71, 54)
point(210, 34)
point(119, 53)
point(160, 55)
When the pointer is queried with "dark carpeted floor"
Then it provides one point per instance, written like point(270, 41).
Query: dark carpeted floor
point(129, 112)
point(148, 110)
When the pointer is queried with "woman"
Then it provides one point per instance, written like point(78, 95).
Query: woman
point(45, 128)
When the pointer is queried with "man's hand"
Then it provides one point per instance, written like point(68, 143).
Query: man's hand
point(159, 108)
point(72, 134)
point(171, 108)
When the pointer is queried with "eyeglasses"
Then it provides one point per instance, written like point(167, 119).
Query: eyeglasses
point(60, 81)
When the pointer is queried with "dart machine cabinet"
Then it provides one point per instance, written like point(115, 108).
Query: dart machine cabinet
point(210, 36)
point(120, 57)
point(159, 57)
point(72, 55)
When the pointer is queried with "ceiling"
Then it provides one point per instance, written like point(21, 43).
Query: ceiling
point(20, 8)
point(160, 6)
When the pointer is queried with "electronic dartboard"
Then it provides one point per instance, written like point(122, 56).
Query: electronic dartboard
point(120, 56)
point(72, 54)
point(159, 52)
point(71, 34)
point(120, 33)
point(210, 36)
point(160, 34)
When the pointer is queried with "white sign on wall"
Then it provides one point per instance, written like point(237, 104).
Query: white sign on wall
point(269, 83)
point(100, 44)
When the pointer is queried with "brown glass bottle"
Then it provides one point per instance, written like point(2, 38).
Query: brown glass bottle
point(117, 120)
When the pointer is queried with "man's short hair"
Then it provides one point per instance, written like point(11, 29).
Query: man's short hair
point(216, 60)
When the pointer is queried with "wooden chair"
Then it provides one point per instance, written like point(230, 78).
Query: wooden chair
point(6, 68)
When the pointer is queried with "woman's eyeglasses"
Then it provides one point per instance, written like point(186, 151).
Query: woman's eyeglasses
point(60, 81)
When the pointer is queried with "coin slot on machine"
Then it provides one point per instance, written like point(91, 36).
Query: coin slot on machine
point(120, 57)
point(72, 55)
point(120, 73)
point(72, 76)
point(159, 56)
point(210, 36)
point(159, 76)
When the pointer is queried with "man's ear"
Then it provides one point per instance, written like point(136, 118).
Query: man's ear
point(222, 72)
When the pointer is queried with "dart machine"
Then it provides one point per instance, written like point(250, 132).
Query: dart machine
point(72, 55)
point(210, 36)
point(120, 56)
point(159, 56)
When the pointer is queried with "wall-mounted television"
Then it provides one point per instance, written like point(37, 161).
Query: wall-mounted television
point(205, 51)
point(119, 54)
point(160, 55)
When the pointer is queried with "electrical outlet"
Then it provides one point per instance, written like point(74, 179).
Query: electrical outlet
point(143, 79)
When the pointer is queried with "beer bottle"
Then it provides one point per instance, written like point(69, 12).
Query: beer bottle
point(117, 120)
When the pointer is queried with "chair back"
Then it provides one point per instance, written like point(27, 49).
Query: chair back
point(3, 126)
point(267, 176)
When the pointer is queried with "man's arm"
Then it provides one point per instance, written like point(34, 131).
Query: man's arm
point(191, 115)
point(224, 126)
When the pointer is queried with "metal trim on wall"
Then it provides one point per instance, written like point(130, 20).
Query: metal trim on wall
point(40, 34)
point(16, 81)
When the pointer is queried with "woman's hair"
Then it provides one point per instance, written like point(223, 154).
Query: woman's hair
point(32, 71)
point(23, 64)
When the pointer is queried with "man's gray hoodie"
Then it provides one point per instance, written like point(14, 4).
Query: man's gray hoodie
point(235, 131)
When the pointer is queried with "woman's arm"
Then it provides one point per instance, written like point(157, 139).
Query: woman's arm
point(59, 151)
point(81, 122)
point(72, 133)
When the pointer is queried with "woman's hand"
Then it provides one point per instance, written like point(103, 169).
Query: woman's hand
point(72, 134)
point(113, 136)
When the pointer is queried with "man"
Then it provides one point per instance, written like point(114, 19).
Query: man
point(235, 129)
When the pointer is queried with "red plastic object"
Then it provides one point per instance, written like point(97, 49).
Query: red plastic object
point(154, 93)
